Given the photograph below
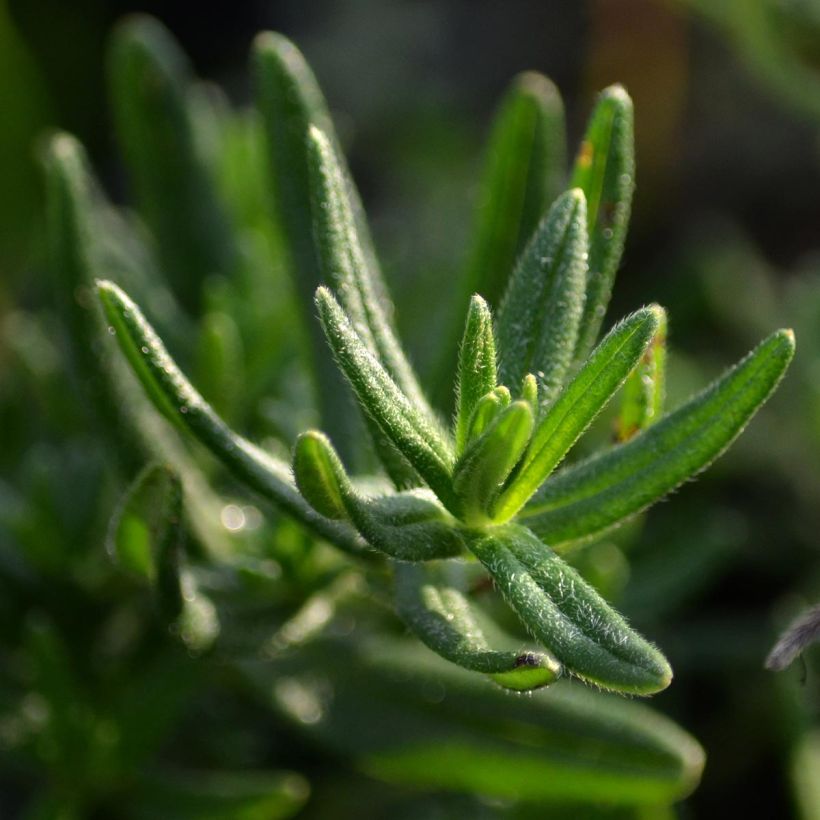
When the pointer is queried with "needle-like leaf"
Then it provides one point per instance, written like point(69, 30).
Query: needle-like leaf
point(580, 402)
point(563, 612)
point(150, 79)
point(290, 102)
point(410, 526)
point(176, 398)
point(602, 491)
point(344, 266)
point(409, 431)
point(476, 375)
point(523, 172)
point(442, 618)
point(605, 171)
point(539, 316)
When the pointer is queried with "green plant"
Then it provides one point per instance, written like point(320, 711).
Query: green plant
point(530, 381)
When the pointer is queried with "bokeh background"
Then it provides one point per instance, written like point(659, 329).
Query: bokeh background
point(725, 234)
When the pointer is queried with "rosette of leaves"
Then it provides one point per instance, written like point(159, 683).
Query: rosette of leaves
point(436, 513)
point(532, 376)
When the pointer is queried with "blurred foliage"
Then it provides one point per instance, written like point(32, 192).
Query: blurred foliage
point(104, 712)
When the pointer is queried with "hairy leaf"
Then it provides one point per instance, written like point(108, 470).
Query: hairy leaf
point(602, 491)
point(410, 432)
point(344, 266)
point(541, 310)
point(290, 103)
point(176, 398)
point(409, 526)
point(442, 618)
point(476, 366)
point(567, 615)
point(605, 171)
point(580, 402)
point(488, 460)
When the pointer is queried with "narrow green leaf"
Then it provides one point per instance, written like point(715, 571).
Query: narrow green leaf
point(567, 615)
point(580, 402)
point(289, 101)
point(78, 223)
point(476, 366)
point(145, 533)
point(489, 459)
point(150, 82)
point(344, 266)
point(210, 795)
point(523, 172)
point(442, 618)
point(602, 491)
point(605, 171)
point(486, 409)
point(409, 526)
point(319, 475)
point(71, 259)
point(645, 390)
point(540, 314)
point(220, 362)
point(176, 398)
point(569, 743)
point(409, 431)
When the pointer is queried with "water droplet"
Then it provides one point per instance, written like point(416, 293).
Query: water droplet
point(144, 350)
point(183, 409)
point(112, 330)
point(607, 232)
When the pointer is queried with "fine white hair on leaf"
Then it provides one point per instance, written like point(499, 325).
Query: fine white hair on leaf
point(804, 631)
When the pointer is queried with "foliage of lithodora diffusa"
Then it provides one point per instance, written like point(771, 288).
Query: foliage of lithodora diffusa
point(530, 380)
point(485, 491)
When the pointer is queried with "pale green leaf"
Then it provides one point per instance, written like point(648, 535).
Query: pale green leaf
point(579, 403)
point(603, 490)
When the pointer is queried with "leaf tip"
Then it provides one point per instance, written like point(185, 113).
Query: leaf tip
point(617, 95)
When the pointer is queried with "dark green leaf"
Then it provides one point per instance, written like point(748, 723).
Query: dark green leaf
point(150, 86)
point(145, 533)
point(409, 526)
point(403, 715)
point(523, 172)
point(442, 618)
point(567, 615)
point(539, 316)
point(410, 432)
point(175, 397)
point(219, 796)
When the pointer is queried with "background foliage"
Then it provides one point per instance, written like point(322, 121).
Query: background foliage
point(724, 234)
